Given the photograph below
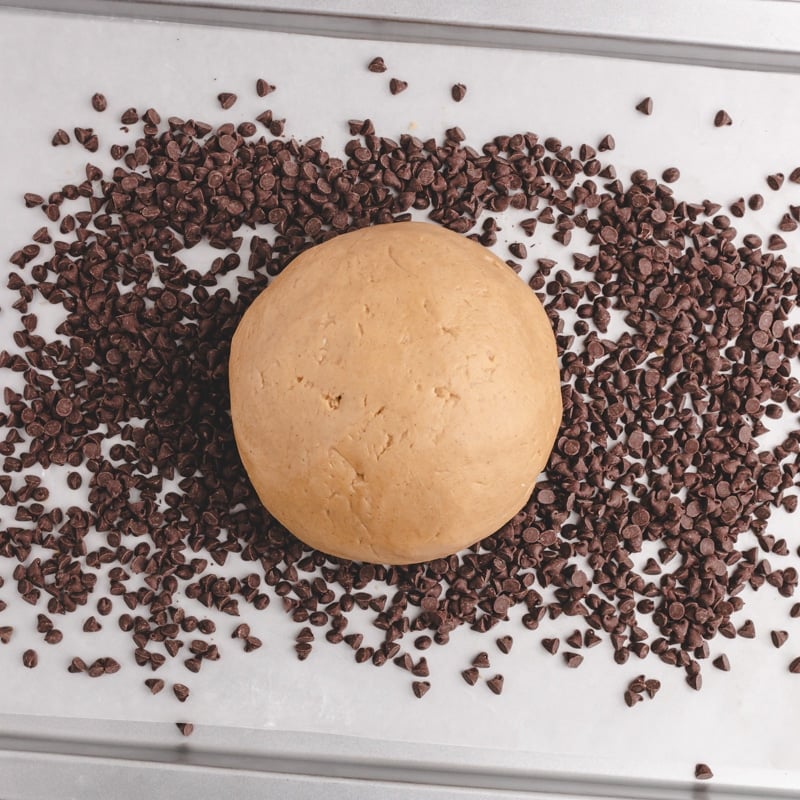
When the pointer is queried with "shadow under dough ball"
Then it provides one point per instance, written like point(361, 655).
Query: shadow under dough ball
point(395, 393)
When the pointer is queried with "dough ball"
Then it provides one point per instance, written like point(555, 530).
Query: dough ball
point(395, 393)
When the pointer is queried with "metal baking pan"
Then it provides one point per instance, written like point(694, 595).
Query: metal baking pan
point(266, 722)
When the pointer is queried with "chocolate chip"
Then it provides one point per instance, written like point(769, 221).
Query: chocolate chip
point(645, 106)
point(470, 675)
point(779, 638)
point(420, 688)
point(481, 661)
point(721, 662)
point(606, 143)
point(551, 645)
point(186, 728)
point(573, 660)
point(60, 137)
point(458, 92)
point(180, 691)
point(776, 242)
point(227, 99)
point(396, 86)
point(155, 685)
point(703, 772)
point(99, 102)
point(30, 659)
point(504, 644)
point(775, 181)
point(722, 118)
point(794, 666)
point(376, 65)
point(670, 175)
point(6, 632)
point(747, 630)
point(53, 636)
point(756, 202)
point(495, 684)
point(263, 88)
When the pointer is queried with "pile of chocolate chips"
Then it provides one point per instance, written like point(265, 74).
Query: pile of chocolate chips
point(680, 351)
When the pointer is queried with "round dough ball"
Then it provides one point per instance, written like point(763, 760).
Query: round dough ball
point(395, 393)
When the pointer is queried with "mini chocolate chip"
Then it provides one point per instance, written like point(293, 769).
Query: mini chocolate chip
point(645, 106)
point(30, 659)
point(155, 685)
point(376, 65)
point(504, 644)
point(99, 102)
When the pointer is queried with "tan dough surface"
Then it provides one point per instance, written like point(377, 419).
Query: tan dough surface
point(395, 394)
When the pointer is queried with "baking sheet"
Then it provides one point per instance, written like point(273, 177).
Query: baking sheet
point(564, 723)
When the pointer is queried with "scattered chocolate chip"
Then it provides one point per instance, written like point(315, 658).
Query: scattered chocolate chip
point(396, 86)
point(573, 660)
point(186, 728)
point(703, 772)
point(53, 636)
point(6, 632)
point(670, 175)
point(794, 666)
point(91, 625)
point(227, 99)
point(747, 630)
point(551, 645)
point(420, 688)
point(99, 102)
point(775, 181)
point(776, 242)
point(495, 684)
point(779, 638)
point(722, 118)
point(60, 137)
point(504, 644)
point(376, 65)
point(30, 659)
point(755, 202)
point(721, 662)
point(645, 106)
point(155, 685)
point(606, 143)
point(481, 661)
point(470, 675)
point(458, 92)
point(263, 88)
point(180, 691)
